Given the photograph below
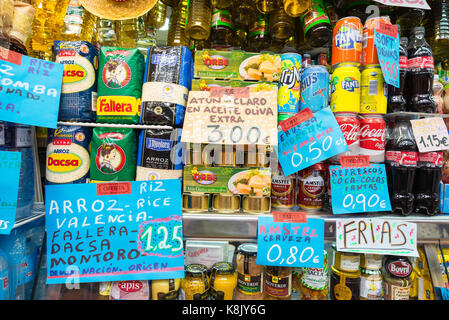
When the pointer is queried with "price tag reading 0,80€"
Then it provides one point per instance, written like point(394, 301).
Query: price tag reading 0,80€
point(288, 244)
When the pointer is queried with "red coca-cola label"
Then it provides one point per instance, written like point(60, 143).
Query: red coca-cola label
point(421, 62)
point(433, 158)
point(405, 158)
point(400, 269)
point(130, 286)
point(403, 62)
point(350, 127)
point(372, 134)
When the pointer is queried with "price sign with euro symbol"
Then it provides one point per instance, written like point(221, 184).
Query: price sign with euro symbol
point(386, 39)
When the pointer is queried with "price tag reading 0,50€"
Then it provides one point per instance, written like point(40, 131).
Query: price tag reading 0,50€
point(361, 189)
point(288, 244)
point(430, 134)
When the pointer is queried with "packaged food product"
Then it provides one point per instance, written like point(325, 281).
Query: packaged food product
point(249, 274)
point(422, 286)
point(314, 283)
point(283, 190)
point(344, 285)
point(277, 283)
point(113, 154)
point(371, 284)
point(225, 203)
point(120, 85)
point(79, 81)
point(397, 282)
point(195, 285)
point(195, 202)
point(371, 261)
point(223, 281)
point(373, 90)
point(347, 41)
point(206, 253)
point(314, 88)
point(289, 83)
point(130, 290)
point(206, 84)
point(68, 159)
point(311, 187)
point(345, 88)
point(256, 204)
point(166, 289)
point(346, 261)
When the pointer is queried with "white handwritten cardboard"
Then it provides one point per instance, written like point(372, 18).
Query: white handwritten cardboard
point(377, 236)
point(419, 4)
point(430, 134)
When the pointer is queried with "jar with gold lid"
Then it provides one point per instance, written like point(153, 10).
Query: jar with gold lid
point(346, 261)
point(249, 273)
point(371, 283)
point(344, 285)
point(314, 283)
point(277, 283)
point(195, 285)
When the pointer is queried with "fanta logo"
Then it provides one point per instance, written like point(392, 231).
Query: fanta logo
point(203, 177)
point(347, 38)
point(290, 77)
point(216, 62)
point(349, 84)
point(130, 286)
point(309, 80)
point(62, 162)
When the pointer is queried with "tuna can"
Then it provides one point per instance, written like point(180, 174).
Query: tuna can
point(311, 187)
point(256, 205)
point(283, 190)
point(195, 202)
point(226, 203)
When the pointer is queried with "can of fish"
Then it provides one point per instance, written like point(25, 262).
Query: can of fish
point(226, 203)
point(255, 205)
point(195, 202)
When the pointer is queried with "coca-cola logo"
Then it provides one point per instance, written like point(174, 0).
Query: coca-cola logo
point(351, 132)
point(130, 286)
point(373, 134)
point(400, 268)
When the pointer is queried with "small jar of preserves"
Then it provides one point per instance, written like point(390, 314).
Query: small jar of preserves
point(371, 261)
point(397, 283)
point(370, 284)
point(249, 274)
point(223, 281)
point(165, 289)
point(277, 283)
point(346, 261)
point(314, 284)
point(195, 285)
point(344, 285)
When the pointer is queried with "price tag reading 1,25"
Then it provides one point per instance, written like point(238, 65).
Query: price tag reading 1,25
point(286, 244)
point(430, 134)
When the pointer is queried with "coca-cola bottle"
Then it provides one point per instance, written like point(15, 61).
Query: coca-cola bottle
point(427, 182)
point(401, 158)
point(419, 79)
point(396, 98)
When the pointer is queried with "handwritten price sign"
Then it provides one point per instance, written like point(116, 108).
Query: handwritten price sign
point(377, 236)
point(311, 141)
point(290, 244)
point(9, 187)
point(430, 134)
point(114, 231)
point(361, 189)
point(386, 39)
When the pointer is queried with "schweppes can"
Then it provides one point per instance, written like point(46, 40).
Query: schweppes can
point(289, 83)
point(374, 90)
point(345, 88)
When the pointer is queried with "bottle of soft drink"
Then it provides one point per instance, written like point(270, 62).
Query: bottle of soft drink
point(396, 98)
point(427, 182)
point(420, 73)
point(401, 158)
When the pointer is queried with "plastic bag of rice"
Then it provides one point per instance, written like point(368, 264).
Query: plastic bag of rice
point(120, 85)
point(68, 159)
point(79, 81)
point(113, 154)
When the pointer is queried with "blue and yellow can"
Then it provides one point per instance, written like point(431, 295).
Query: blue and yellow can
point(289, 83)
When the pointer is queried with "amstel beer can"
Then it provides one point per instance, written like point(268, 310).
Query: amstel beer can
point(289, 83)
point(345, 88)
point(311, 187)
point(374, 91)
point(283, 190)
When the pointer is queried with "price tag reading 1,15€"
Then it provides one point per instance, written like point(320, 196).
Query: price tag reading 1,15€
point(114, 231)
point(286, 244)
point(232, 117)
point(430, 134)
point(386, 39)
point(361, 189)
point(311, 141)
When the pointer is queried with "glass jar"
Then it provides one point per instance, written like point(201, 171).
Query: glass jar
point(249, 274)
point(314, 284)
point(199, 19)
point(165, 289)
point(370, 284)
point(397, 283)
point(344, 285)
point(195, 285)
point(346, 261)
point(282, 26)
point(277, 283)
point(223, 281)
point(371, 261)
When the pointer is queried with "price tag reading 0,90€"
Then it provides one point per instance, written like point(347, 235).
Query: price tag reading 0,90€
point(311, 141)
point(361, 189)
point(114, 231)
point(430, 134)
point(288, 244)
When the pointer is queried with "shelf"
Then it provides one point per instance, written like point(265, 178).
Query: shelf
point(415, 114)
point(240, 227)
point(112, 125)
point(37, 213)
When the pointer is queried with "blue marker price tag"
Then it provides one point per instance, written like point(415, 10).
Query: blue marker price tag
point(286, 244)
point(9, 189)
point(359, 189)
point(310, 142)
point(114, 231)
point(386, 39)
point(30, 89)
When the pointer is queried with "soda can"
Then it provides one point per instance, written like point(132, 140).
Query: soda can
point(289, 83)
point(314, 88)
point(373, 91)
point(372, 137)
point(369, 52)
point(345, 88)
point(350, 127)
point(347, 41)
point(312, 187)
point(283, 190)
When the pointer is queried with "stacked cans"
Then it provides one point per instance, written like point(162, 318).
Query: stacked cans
point(358, 99)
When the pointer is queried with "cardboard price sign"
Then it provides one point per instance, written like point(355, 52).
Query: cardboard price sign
point(9, 187)
point(114, 231)
point(311, 141)
point(232, 116)
point(430, 134)
point(377, 236)
point(386, 39)
point(359, 189)
point(287, 244)
point(30, 89)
